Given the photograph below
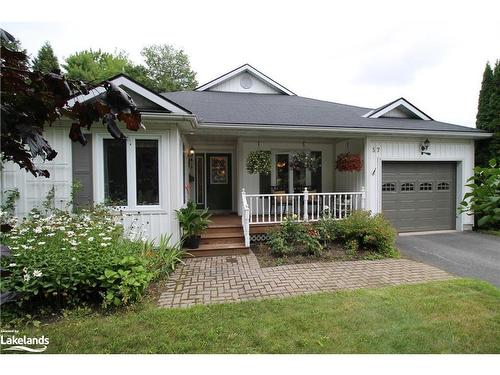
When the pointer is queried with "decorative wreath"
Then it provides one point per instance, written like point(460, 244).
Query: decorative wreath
point(348, 162)
point(302, 160)
point(259, 162)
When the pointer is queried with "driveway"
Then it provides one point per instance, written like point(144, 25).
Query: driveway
point(468, 254)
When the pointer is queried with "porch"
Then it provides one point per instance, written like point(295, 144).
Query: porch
point(230, 234)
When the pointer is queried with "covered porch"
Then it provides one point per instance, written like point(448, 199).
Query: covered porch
point(217, 177)
point(216, 172)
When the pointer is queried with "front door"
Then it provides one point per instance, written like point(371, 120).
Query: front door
point(219, 182)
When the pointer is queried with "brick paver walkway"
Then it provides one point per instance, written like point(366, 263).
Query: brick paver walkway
point(239, 278)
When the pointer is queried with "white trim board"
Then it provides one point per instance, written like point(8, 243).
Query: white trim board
point(337, 130)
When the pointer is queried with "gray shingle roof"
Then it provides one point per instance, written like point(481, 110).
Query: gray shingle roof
point(267, 109)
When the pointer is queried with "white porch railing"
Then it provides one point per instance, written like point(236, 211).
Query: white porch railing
point(306, 206)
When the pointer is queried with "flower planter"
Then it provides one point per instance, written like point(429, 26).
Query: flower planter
point(192, 242)
point(348, 162)
point(259, 162)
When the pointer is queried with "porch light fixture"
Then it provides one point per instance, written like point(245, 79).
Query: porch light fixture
point(424, 147)
point(281, 164)
point(191, 151)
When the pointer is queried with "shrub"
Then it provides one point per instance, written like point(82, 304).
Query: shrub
point(163, 258)
point(484, 199)
point(67, 259)
point(371, 233)
point(326, 227)
point(124, 281)
point(294, 237)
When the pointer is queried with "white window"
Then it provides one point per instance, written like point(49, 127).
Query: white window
point(129, 171)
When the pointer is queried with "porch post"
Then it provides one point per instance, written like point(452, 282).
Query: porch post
point(363, 199)
point(306, 198)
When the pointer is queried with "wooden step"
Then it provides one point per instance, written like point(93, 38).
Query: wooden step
point(210, 250)
point(224, 229)
point(222, 238)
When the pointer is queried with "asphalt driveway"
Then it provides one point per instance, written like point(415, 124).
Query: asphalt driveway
point(468, 254)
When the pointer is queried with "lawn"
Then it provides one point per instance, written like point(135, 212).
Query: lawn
point(457, 316)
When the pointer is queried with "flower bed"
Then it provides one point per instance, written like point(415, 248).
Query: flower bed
point(359, 236)
point(67, 259)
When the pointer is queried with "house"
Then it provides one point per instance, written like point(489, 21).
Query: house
point(196, 145)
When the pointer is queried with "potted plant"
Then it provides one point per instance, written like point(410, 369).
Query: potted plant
point(348, 162)
point(304, 160)
point(259, 162)
point(193, 222)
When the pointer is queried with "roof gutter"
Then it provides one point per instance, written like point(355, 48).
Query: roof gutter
point(172, 116)
point(341, 129)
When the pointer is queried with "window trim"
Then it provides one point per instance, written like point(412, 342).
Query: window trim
point(131, 171)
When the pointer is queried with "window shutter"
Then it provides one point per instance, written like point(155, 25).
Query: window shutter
point(82, 173)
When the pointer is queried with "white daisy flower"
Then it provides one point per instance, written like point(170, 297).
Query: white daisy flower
point(37, 273)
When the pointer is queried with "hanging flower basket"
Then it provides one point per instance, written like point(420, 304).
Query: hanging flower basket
point(348, 162)
point(304, 160)
point(259, 162)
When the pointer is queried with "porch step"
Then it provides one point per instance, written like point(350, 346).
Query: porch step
point(222, 238)
point(211, 250)
point(224, 229)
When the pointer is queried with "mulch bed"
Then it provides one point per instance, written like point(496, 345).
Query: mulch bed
point(334, 252)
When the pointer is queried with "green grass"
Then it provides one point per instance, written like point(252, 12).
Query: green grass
point(457, 316)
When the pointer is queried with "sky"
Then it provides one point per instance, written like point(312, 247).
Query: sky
point(364, 53)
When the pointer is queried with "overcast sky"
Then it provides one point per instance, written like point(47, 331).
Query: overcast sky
point(362, 53)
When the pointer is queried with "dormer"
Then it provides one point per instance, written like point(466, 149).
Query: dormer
point(245, 79)
point(399, 108)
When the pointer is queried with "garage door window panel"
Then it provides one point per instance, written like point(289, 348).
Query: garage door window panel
point(389, 187)
point(443, 186)
point(425, 186)
point(407, 187)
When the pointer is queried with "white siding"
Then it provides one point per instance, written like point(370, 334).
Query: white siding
point(408, 149)
point(33, 190)
point(234, 85)
point(349, 181)
point(154, 222)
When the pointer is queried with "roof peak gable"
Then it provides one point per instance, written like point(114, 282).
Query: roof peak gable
point(399, 108)
point(245, 79)
point(122, 80)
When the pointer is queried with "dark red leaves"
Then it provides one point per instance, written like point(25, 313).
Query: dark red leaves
point(30, 99)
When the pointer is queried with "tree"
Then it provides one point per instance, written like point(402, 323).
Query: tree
point(96, 66)
point(30, 99)
point(46, 60)
point(488, 115)
point(168, 68)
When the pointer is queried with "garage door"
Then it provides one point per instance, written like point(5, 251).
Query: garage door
point(419, 196)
